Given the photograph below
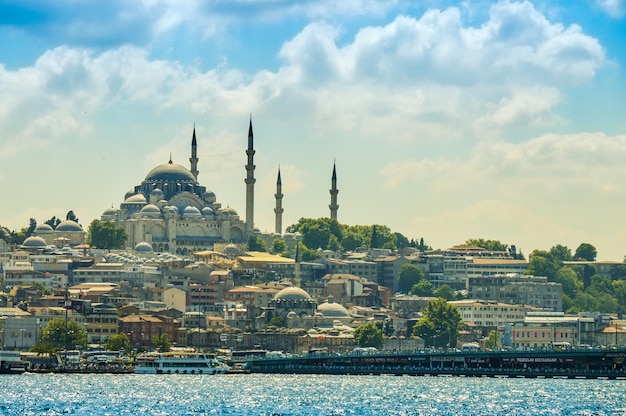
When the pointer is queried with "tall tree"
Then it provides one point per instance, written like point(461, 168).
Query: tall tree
point(278, 246)
point(118, 342)
point(586, 251)
point(106, 235)
point(162, 342)
point(71, 216)
point(255, 243)
point(369, 335)
point(422, 288)
point(59, 334)
point(53, 222)
point(374, 243)
point(543, 263)
point(440, 324)
point(409, 276)
point(561, 252)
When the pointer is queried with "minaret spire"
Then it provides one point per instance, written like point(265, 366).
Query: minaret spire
point(194, 154)
point(250, 183)
point(279, 205)
point(333, 194)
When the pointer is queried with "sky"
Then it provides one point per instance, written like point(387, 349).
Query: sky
point(447, 120)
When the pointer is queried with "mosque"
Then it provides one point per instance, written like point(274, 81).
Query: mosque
point(170, 211)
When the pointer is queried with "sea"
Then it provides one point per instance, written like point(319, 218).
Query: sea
point(273, 395)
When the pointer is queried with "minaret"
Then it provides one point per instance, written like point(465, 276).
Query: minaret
point(279, 205)
point(250, 183)
point(333, 195)
point(194, 155)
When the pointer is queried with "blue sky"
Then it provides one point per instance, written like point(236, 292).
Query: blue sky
point(448, 120)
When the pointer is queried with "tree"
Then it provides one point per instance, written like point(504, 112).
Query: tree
point(316, 232)
point(106, 235)
point(118, 342)
point(53, 222)
point(543, 263)
point(278, 246)
point(368, 335)
point(440, 324)
point(162, 342)
point(60, 334)
point(71, 216)
point(409, 275)
point(493, 339)
point(422, 288)
point(586, 251)
point(569, 281)
point(334, 244)
point(255, 243)
point(561, 253)
point(491, 245)
point(374, 241)
point(278, 321)
point(446, 292)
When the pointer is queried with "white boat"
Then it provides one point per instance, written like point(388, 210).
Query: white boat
point(179, 363)
point(11, 362)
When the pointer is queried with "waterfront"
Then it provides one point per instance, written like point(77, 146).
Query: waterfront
point(259, 394)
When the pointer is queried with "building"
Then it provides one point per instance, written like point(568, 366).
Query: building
point(489, 314)
point(518, 289)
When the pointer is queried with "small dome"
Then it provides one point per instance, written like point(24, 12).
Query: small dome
point(231, 250)
point(34, 242)
point(292, 315)
point(150, 210)
point(209, 196)
point(143, 247)
point(136, 199)
point(129, 194)
point(157, 192)
point(109, 212)
point(333, 310)
point(207, 211)
point(69, 225)
point(191, 211)
point(227, 211)
point(43, 229)
point(292, 293)
point(170, 172)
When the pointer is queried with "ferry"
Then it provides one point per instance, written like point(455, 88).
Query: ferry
point(11, 362)
point(179, 363)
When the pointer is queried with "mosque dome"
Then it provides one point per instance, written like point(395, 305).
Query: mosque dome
point(227, 211)
point(191, 212)
point(292, 293)
point(143, 247)
point(34, 242)
point(170, 172)
point(231, 250)
point(207, 211)
point(333, 310)
point(69, 225)
point(43, 229)
point(136, 199)
point(157, 192)
point(109, 212)
point(151, 210)
point(209, 196)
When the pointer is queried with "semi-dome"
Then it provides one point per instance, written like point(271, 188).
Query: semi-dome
point(170, 172)
point(333, 310)
point(207, 211)
point(69, 225)
point(43, 229)
point(34, 242)
point(292, 293)
point(143, 247)
point(150, 209)
point(109, 211)
point(191, 211)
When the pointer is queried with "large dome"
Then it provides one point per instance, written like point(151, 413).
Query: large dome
point(43, 229)
point(34, 242)
point(170, 172)
point(292, 293)
point(333, 310)
point(69, 225)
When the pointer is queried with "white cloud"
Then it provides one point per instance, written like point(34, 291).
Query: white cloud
point(614, 8)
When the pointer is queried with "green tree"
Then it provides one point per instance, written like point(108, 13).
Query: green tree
point(368, 335)
point(569, 280)
point(401, 241)
point(118, 342)
point(586, 251)
point(446, 292)
point(561, 253)
point(422, 288)
point(255, 243)
point(493, 340)
point(162, 342)
point(440, 324)
point(543, 263)
point(352, 240)
point(106, 235)
point(278, 321)
point(279, 246)
point(409, 276)
point(491, 245)
point(58, 334)
point(53, 222)
point(374, 240)
point(316, 232)
point(334, 244)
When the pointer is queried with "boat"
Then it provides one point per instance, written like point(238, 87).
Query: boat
point(11, 362)
point(179, 363)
